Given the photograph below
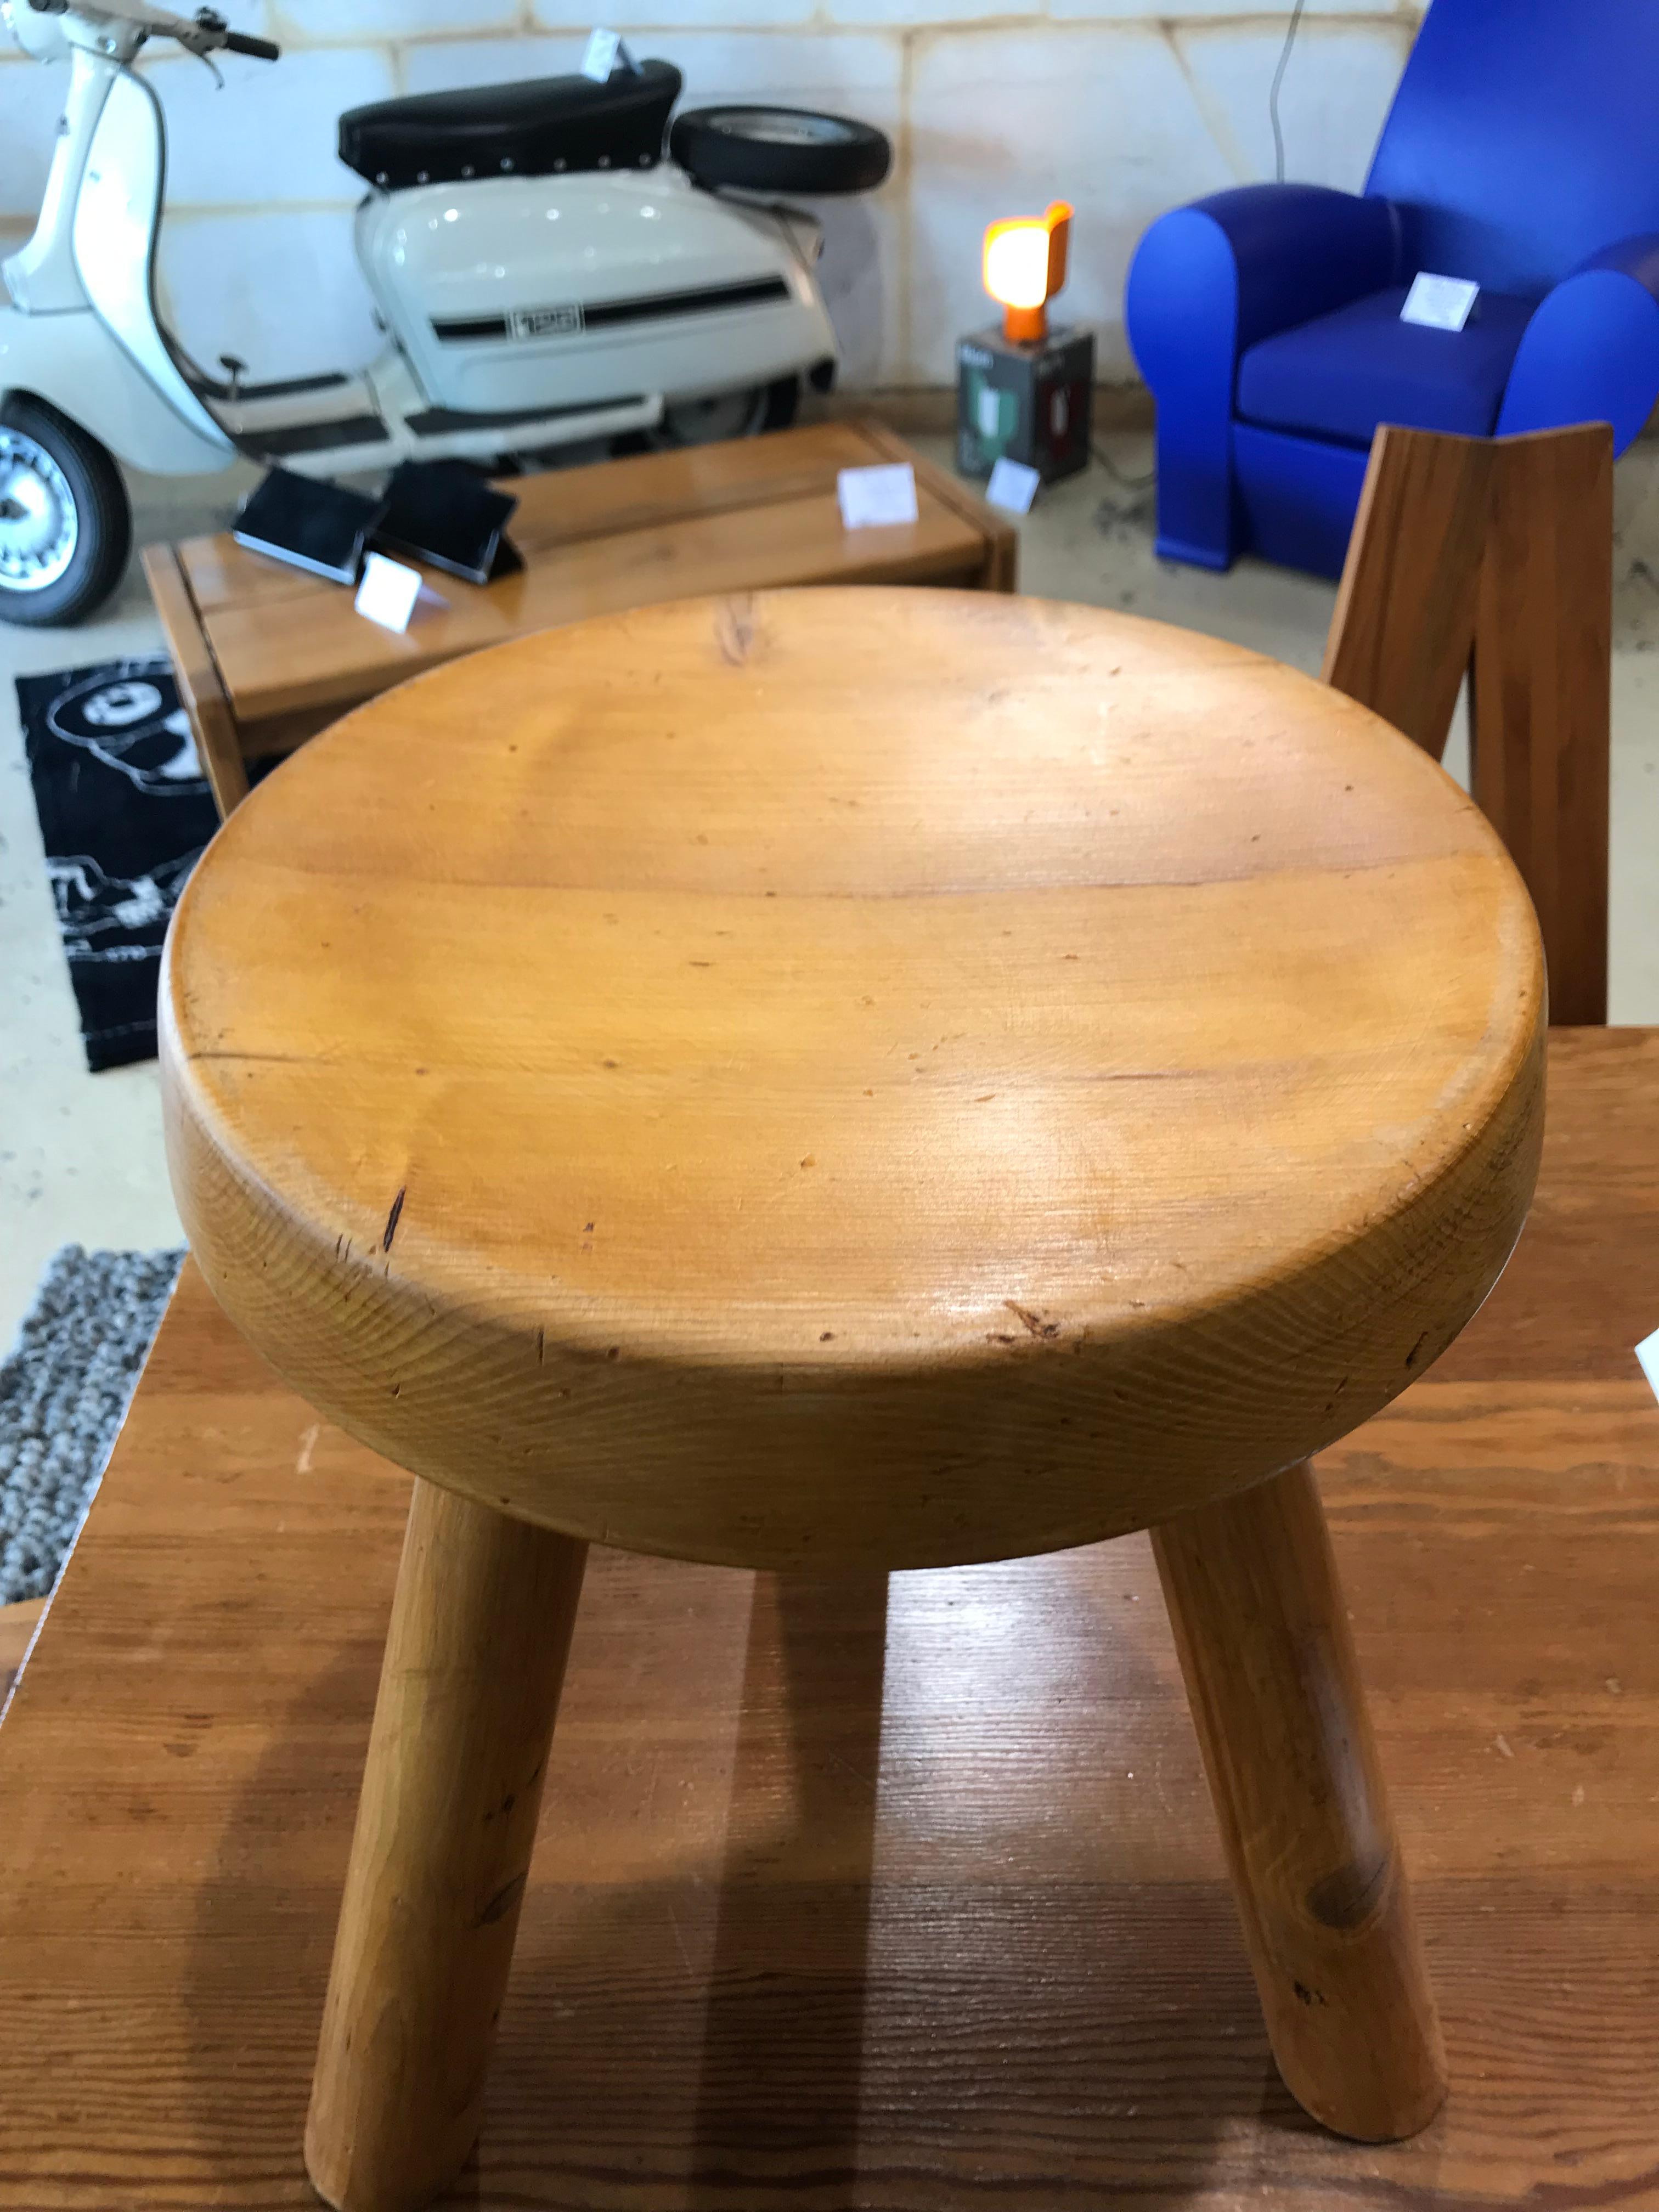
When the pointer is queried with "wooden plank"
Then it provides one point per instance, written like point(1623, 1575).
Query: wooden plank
point(306, 654)
point(642, 491)
point(645, 490)
point(883, 1898)
point(1404, 624)
point(1541, 704)
point(218, 741)
point(1500, 549)
point(1000, 570)
point(755, 513)
point(17, 1626)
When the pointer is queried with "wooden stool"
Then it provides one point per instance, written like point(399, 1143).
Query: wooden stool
point(857, 1079)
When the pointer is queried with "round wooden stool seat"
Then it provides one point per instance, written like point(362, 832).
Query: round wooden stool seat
point(882, 1077)
point(864, 1078)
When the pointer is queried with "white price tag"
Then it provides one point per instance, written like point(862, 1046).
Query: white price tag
point(873, 498)
point(388, 591)
point(1647, 1353)
point(1442, 302)
point(1012, 486)
point(607, 51)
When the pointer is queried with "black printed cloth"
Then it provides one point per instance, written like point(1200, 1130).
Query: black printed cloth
point(124, 812)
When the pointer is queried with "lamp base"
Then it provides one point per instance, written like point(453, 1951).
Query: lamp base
point(1024, 403)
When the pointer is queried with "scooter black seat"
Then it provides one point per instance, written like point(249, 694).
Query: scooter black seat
point(533, 128)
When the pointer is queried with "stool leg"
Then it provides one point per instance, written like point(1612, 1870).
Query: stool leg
point(1252, 1594)
point(474, 1664)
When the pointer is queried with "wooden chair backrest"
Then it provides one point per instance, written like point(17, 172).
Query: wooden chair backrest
point(1494, 557)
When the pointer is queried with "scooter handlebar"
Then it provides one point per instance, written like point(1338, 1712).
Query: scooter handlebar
point(204, 33)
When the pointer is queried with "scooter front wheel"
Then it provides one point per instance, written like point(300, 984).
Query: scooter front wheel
point(65, 523)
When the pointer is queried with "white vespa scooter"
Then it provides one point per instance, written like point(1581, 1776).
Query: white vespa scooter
point(543, 275)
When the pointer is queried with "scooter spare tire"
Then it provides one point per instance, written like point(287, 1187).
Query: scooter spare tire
point(779, 149)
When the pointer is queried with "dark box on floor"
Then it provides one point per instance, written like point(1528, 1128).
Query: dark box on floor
point(1029, 403)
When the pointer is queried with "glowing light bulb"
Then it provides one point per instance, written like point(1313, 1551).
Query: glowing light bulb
point(1017, 263)
point(1024, 266)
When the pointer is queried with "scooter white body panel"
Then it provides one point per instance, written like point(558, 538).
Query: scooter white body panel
point(376, 419)
point(595, 290)
point(521, 312)
point(75, 360)
point(84, 322)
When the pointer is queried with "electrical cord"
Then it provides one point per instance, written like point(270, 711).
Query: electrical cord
point(1143, 483)
point(1123, 483)
point(1279, 78)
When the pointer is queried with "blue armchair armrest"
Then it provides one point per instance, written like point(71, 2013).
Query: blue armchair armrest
point(1211, 279)
point(1590, 352)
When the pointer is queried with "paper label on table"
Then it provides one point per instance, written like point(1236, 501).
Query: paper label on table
point(1647, 1353)
point(872, 498)
point(607, 51)
point(388, 591)
point(1442, 302)
point(1012, 486)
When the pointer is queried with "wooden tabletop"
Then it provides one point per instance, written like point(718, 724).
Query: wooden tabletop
point(883, 1076)
point(618, 534)
point(807, 1929)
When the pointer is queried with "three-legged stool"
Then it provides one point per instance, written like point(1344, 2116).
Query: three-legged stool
point(863, 1079)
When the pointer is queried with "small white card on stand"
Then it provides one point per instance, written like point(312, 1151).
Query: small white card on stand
point(1442, 303)
point(1647, 1353)
point(606, 51)
point(388, 591)
point(873, 498)
point(1012, 486)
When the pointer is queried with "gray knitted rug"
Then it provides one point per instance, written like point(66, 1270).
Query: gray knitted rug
point(64, 1392)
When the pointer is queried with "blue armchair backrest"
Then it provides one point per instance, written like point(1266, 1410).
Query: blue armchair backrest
point(1524, 136)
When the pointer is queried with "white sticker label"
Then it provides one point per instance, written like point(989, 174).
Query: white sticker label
point(606, 51)
point(872, 498)
point(1647, 1353)
point(388, 591)
point(1442, 302)
point(1012, 486)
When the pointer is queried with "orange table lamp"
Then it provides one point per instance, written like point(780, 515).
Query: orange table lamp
point(1024, 267)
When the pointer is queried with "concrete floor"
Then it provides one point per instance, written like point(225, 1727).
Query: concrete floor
point(81, 1156)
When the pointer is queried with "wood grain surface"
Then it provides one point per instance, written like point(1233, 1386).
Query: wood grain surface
point(201, 687)
point(1018, 1069)
point(1262, 1627)
point(1541, 708)
point(1492, 557)
point(18, 1623)
point(871, 1896)
point(728, 517)
point(1404, 626)
point(475, 1657)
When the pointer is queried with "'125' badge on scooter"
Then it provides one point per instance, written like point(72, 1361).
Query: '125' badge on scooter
point(544, 322)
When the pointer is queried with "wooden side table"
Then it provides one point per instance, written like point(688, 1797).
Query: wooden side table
point(265, 655)
point(876, 1080)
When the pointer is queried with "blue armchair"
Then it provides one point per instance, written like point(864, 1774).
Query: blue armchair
point(1520, 151)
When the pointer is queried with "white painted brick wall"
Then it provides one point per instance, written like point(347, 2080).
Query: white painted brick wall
point(996, 106)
